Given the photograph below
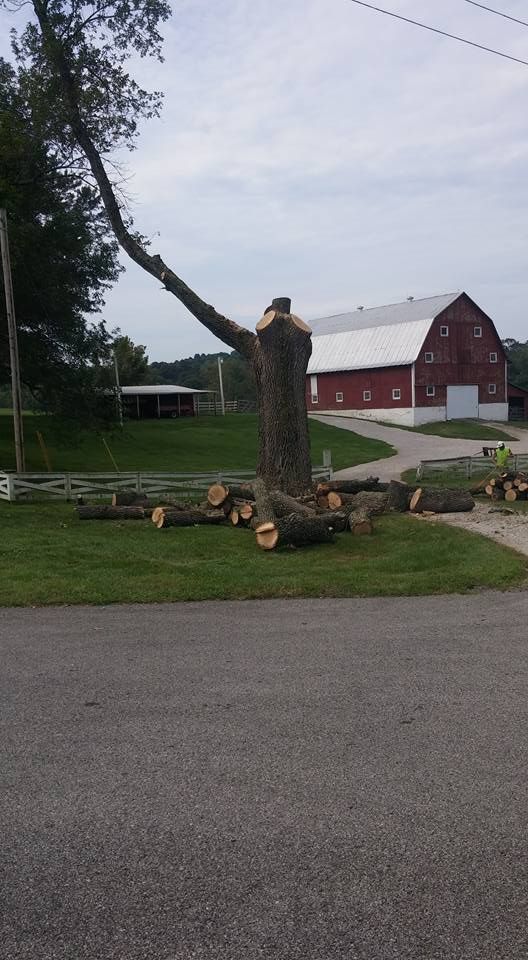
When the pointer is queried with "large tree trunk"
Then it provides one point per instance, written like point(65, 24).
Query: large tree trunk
point(441, 500)
point(280, 361)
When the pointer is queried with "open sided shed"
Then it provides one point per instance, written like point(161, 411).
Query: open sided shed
point(150, 402)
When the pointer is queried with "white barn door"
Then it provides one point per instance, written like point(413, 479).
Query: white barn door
point(462, 402)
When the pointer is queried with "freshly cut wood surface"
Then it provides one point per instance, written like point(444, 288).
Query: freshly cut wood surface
point(293, 530)
point(441, 500)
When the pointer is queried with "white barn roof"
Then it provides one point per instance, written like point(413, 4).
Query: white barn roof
point(386, 336)
point(148, 389)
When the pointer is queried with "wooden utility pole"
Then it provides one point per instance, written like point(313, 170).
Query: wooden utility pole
point(13, 346)
point(221, 382)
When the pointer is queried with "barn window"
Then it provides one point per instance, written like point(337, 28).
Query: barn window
point(493, 358)
point(429, 357)
point(367, 395)
point(315, 398)
point(444, 331)
point(339, 398)
point(429, 391)
point(477, 331)
point(396, 394)
point(492, 388)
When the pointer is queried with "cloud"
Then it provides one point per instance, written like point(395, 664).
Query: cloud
point(316, 149)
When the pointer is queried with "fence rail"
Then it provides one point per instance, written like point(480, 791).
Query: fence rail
point(69, 486)
point(466, 466)
point(231, 406)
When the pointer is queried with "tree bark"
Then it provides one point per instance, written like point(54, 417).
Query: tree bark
point(293, 531)
point(129, 498)
point(360, 523)
point(441, 500)
point(188, 518)
point(265, 511)
point(374, 503)
point(399, 496)
point(280, 363)
point(351, 486)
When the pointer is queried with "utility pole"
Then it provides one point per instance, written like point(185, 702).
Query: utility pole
point(13, 346)
point(118, 391)
point(222, 403)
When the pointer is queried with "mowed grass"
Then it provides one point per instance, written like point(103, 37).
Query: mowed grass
point(50, 557)
point(460, 430)
point(194, 444)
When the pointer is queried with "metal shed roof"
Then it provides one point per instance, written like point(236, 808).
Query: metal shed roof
point(147, 390)
point(388, 336)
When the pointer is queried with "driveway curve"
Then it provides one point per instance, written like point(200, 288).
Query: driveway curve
point(289, 780)
point(413, 447)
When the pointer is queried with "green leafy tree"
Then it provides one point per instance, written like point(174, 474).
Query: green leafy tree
point(132, 361)
point(73, 60)
point(517, 355)
point(63, 261)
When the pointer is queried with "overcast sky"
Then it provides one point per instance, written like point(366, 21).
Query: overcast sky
point(318, 150)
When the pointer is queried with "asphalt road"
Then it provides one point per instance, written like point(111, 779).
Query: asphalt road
point(298, 779)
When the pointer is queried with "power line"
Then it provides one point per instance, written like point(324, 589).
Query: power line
point(498, 13)
point(442, 33)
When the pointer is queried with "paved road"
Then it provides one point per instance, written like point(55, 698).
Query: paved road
point(302, 779)
point(413, 447)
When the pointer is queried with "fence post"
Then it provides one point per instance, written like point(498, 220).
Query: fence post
point(67, 486)
point(138, 481)
point(11, 493)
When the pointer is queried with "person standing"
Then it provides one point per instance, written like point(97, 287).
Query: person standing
point(502, 455)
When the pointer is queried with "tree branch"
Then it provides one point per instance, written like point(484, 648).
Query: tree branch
point(238, 338)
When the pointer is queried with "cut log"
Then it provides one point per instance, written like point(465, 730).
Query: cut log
point(336, 499)
point(523, 486)
point(217, 494)
point(336, 520)
point(129, 498)
point(489, 489)
point(399, 496)
point(497, 494)
point(234, 517)
point(294, 530)
point(322, 501)
point(441, 500)
point(246, 511)
point(507, 485)
point(188, 518)
point(242, 491)
point(283, 505)
point(265, 509)
point(105, 512)
point(360, 523)
point(510, 495)
point(374, 503)
point(351, 486)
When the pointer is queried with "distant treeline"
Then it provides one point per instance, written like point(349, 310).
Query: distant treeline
point(201, 371)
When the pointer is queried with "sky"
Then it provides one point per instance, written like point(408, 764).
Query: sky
point(318, 150)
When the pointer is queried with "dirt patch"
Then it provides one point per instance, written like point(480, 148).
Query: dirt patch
point(511, 530)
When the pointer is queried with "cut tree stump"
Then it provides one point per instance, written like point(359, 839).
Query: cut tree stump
point(511, 495)
point(339, 499)
point(293, 531)
point(360, 523)
point(399, 496)
point(441, 500)
point(105, 512)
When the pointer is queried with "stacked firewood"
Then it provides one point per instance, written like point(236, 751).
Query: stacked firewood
point(281, 520)
point(508, 486)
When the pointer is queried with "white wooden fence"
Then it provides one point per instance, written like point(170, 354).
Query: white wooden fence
point(69, 486)
point(467, 466)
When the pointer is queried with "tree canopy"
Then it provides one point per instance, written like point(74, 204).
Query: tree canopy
point(517, 354)
point(63, 262)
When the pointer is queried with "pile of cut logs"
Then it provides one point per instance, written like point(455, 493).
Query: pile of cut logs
point(508, 486)
point(281, 520)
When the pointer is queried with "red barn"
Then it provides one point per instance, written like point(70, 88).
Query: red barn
point(439, 358)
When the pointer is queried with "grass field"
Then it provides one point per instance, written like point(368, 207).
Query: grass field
point(459, 430)
point(187, 445)
point(51, 557)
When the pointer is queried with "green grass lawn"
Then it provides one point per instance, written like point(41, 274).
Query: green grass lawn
point(187, 445)
point(459, 430)
point(51, 557)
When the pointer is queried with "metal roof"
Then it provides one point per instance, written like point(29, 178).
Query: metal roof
point(425, 309)
point(388, 336)
point(384, 346)
point(158, 389)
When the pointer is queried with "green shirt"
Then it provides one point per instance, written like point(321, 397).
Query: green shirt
point(501, 456)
